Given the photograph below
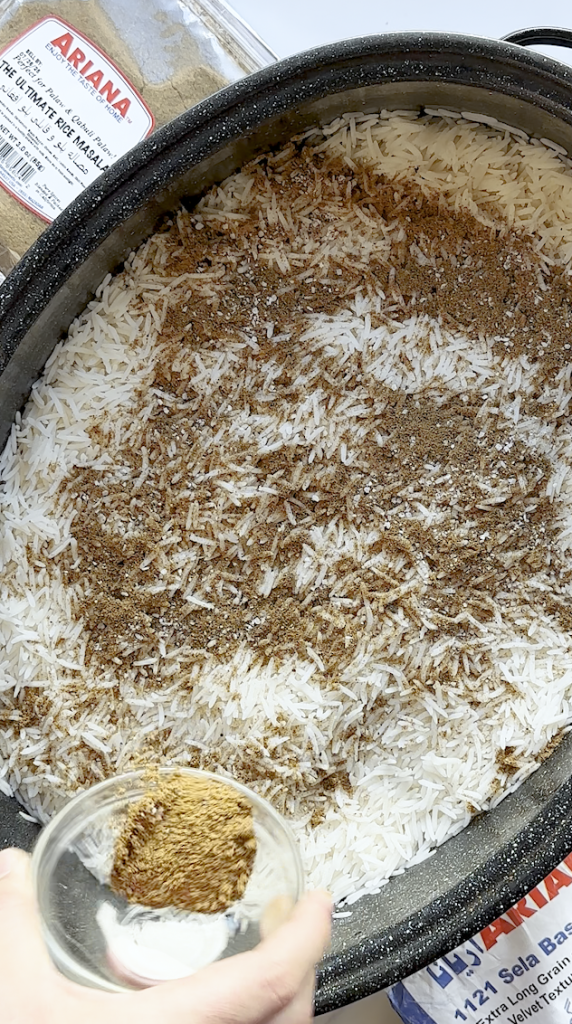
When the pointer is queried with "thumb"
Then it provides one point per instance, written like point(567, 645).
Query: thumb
point(22, 951)
point(253, 987)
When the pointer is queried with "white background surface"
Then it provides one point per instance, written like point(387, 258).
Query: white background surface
point(293, 25)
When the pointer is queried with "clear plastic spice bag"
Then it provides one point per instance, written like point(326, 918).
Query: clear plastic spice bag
point(82, 81)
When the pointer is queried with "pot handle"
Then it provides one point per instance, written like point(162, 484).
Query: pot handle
point(540, 36)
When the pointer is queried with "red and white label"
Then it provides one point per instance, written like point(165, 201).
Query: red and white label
point(66, 114)
point(516, 969)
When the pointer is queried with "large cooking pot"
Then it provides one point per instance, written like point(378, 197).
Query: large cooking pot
point(473, 877)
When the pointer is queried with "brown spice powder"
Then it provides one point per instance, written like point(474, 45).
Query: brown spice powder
point(127, 615)
point(191, 80)
point(188, 843)
point(450, 452)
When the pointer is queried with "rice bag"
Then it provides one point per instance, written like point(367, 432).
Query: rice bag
point(518, 968)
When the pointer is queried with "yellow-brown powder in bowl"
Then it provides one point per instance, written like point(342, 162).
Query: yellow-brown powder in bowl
point(187, 843)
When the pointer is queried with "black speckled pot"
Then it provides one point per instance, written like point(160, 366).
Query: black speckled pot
point(475, 876)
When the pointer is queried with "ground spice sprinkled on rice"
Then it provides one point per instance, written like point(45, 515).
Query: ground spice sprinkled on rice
point(293, 500)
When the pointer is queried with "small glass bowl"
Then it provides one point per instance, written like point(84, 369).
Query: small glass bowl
point(97, 938)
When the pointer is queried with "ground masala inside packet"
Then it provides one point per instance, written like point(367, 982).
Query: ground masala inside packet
point(187, 78)
point(187, 843)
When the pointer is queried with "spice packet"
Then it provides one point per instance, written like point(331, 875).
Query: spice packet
point(517, 969)
point(83, 81)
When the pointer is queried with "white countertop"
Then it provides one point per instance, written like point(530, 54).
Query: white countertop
point(301, 24)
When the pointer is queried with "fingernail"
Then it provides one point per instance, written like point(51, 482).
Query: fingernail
point(8, 861)
point(325, 896)
point(275, 913)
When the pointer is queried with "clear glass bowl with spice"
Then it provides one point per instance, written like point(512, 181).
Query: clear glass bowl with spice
point(147, 877)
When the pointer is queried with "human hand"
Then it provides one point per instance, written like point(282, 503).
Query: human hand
point(272, 984)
